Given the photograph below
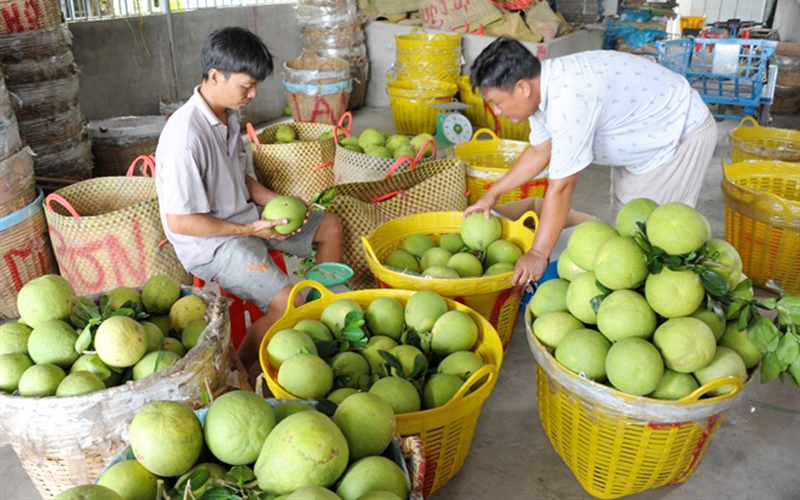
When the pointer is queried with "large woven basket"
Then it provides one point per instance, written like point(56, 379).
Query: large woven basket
point(116, 142)
point(37, 70)
point(64, 163)
point(49, 130)
point(67, 441)
point(45, 98)
point(317, 88)
point(27, 15)
point(34, 44)
point(16, 182)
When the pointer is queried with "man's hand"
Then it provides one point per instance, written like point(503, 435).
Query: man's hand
point(530, 267)
point(266, 229)
point(485, 205)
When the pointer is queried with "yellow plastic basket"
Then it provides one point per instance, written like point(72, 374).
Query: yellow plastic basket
point(634, 444)
point(692, 22)
point(417, 41)
point(488, 160)
point(447, 431)
point(762, 220)
point(755, 142)
point(481, 114)
point(493, 297)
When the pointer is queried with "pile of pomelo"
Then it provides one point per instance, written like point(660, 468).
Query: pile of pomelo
point(478, 250)
point(244, 448)
point(415, 356)
point(375, 143)
point(611, 320)
point(64, 345)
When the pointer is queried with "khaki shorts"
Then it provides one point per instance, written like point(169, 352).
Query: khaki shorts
point(680, 179)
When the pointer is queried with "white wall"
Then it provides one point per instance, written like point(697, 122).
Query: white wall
point(787, 20)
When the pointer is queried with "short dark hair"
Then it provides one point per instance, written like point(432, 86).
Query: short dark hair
point(502, 64)
point(236, 50)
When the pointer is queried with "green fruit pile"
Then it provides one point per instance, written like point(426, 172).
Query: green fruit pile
point(643, 307)
point(243, 448)
point(390, 146)
point(65, 345)
point(414, 357)
point(478, 250)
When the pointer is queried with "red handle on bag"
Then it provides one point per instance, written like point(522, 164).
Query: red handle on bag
point(323, 165)
point(423, 148)
point(386, 196)
point(63, 201)
point(148, 162)
point(399, 162)
point(251, 133)
point(336, 129)
point(349, 117)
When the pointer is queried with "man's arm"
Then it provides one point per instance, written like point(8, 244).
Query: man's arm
point(258, 193)
point(206, 226)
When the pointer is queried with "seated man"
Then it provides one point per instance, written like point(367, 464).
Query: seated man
point(210, 203)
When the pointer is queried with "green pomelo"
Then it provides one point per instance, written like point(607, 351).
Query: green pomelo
point(162, 322)
point(174, 345)
point(316, 330)
point(739, 341)
point(91, 362)
point(372, 474)
point(339, 395)
point(403, 150)
point(454, 331)
point(283, 410)
point(154, 362)
point(45, 298)
point(349, 367)
point(236, 426)
point(325, 136)
point(419, 141)
point(499, 268)
point(313, 493)
point(372, 350)
point(620, 263)
point(385, 316)
point(625, 314)
point(336, 313)
point(452, 243)
point(89, 492)
point(159, 293)
point(435, 256)
point(674, 294)
point(402, 260)
point(397, 140)
point(407, 355)
point(423, 309)
point(120, 341)
point(728, 264)
point(304, 449)
point(379, 152)
point(584, 352)
point(401, 394)
point(566, 268)
point(674, 385)
point(12, 366)
point(478, 232)
point(287, 208)
point(348, 141)
point(441, 273)
point(118, 297)
point(726, 363)
point(550, 296)
point(550, 328)
point(78, 383)
point(580, 293)
point(711, 319)
point(418, 244)
point(41, 380)
point(686, 344)
point(155, 337)
point(462, 364)
point(191, 334)
point(379, 495)
point(306, 376)
point(586, 239)
point(53, 342)
point(466, 265)
point(130, 480)
point(14, 338)
point(285, 344)
point(367, 422)
point(502, 251)
point(634, 366)
point(354, 148)
point(632, 213)
point(677, 228)
point(285, 133)
point(439, 389)
point(166, 438)
point(371, 137)
point(186, 310)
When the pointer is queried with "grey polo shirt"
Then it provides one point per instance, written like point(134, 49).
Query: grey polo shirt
point(201, 164)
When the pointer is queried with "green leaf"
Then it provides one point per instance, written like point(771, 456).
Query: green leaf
point(344, 345)
point(794, 371)
point(204, 397)
point(392, 361)
point(788, 349)
point(641, 240)
point(713, 283)
point(196, 479)
point(771, 367)
point(240, 474)
point(764, 335)
point(744, 286)
point(326, 407)
point(84, 340)
point(420, 365)
point(303, 350)
point(219, 493)
point(603, 288)
point(658, 251)
point(353, 333)
point(96, 366)
point(77, 321)
point(672, 260)
point(768, 304)
point(744, 319)
point(326, 348)
point(360, 343)
point(341, 380)
point(103, 306)
point(595, 302)
point(735, 307)
point(124, 311)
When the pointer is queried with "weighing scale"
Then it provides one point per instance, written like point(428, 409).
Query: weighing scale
point(328, 274)
point(451, 126)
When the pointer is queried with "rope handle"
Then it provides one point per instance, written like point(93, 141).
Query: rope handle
point(251, 132)
point(421, 152)
point(386, 196)
point(336, 129)
point(148, 162)
point(736, 382)
point(64, 203)
point(399, 162)
point(349, 116)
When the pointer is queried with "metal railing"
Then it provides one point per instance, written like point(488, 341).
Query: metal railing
point(85, 10)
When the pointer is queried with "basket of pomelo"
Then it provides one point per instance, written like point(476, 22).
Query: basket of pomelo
point(74, 370)
point(435, 361)
point(648, 337)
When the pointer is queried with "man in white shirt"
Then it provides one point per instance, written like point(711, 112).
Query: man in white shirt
point(603, 107)
point(210, 203)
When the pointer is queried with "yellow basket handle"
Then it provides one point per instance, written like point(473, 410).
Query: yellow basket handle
point(530, 214)
point(736, 382)
point(481, 372)
point(487, 131)
point(749, 119)
point(368, 249)
point(416, 30)
point(770, 199)
point(316, 285)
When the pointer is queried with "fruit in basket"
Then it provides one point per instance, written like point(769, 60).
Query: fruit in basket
point(635, 211)
point(166, 438)
point(620, 263)
point(441, 272)
point(419, 141)
point(418, 244)
point(372, 474)
point(91, 362)
point(728, 263)
point(586, 239)
point(478, 232)
point(580, 293)
point(454, 331)
point(89, 492)
point(435, 256)
point(677, 228)
point(625, 313)
point(395, 141)
point(325, 136)
point(686, 344)
point(371, 137)
point(567, 269)
point(354, 148)
point(423, 309)
point(336, 312)
point(674, 385)
point(403, 150)
point(339, 395)
point(130, 480)
point(290, 209)
point(379, 495)
point(41, 380)
point(410, 358)
point(304, 449)
point(162, 322)
point(462, 364)
point(402, 260)
point(45, 298)
point(378, 152)
point(155, 337)
point(439, 389)
point(174, 345)
point(499, 268)
point(118, 297)
point(371, 352)
point(740, 342)
point(367, 422)
point(191, 334)
point(53, 342)
point(349, 141)
point(283, 410)
point(711, 319)
point(315, 330)
point(215, 471)
point(285, 133)
point(674, 294)
point(14, 338)
point(634, 366)
point(550, 328)
point(385, 316)
point(466, 265)
point(401, 394)
point(154, 362)
point(306, 376)
point(726, 363)
point(502, 251)
point(185, 310)
point(159, 293)
point(12, 366)
point(452, 243)
point(236, 426)
point(78, 383)
point(120, 341)
point(312, 493)
point(349, 369)
point(551, 296)
point(584, 352)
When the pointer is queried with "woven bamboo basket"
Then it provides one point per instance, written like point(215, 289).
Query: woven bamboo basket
point(35, 44)
point(16, 182)
point(37, 70)
point(67, 441)
point(116, 142)
point(10, 141)
point(52, 129)
point(45, 98)
point(64, 162)
point(317, 88)
point(359, 70)
point(28, 15)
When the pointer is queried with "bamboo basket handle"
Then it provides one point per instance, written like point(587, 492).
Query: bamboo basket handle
point(486, 131)
point(421, 152)
point(694, 397)
point(349, 116)
point(251, 132)
point(530, 214)
point(481, 372)
point(400, 161)
point(324, 292)
point(63, 201)
point(749, 120)
point(148, 162)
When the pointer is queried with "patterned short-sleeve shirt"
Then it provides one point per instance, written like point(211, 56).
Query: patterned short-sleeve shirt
point(615, 109)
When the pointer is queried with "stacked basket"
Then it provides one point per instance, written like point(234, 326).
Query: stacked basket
point(317, 88)
point(787, 89)
point(116, 142)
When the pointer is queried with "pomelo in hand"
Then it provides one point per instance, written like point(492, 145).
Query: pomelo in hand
point(14, 338)
point(118, 297)
point(285, 344)
point(423, 309)
point(407, 355)
point(120, 341)
point(166, 438)
point(674, 294)
point(634, 366)
point(478, 232)
point(155, 337)
point(566, 268)
point(287, 208)
point(78, 383)
point(635, 211)
point(686, 344)
point(372, 350)
point(402, 260)
point(738, 341)
point(41, 380)
point(399, 393)
point(728, 264)
point(45, 298)
point(439, 389)
point(236, 426)
point(586, 240)
point(454, 331)
point(620, 263)
point(154, 362)
point(159, 293)
point(625, 314)
point(435, 256)
point(677, 228)
point(339, 395)
point(584, 352)
point(367, 422)
point(550, 296)
point(53, 342)
point(336, 312)
point(306, 376)
point(316, 330)
point(349, 367)
point(283, 410)
point(711, 319)
point(441, 273)
point(466, 265)
point(372, 474)
point(452, 243)
point(499, 268)
point(385, 316)
point(190, 335)
point(502, 251)
point(674, 385)
point(580, 293)
point(89, 492)
point(185, 311)
point(726, 363)
point(12, 366)
point(550, 328)
point(130, 480)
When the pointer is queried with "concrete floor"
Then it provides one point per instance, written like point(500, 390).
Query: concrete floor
point(754, 455)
